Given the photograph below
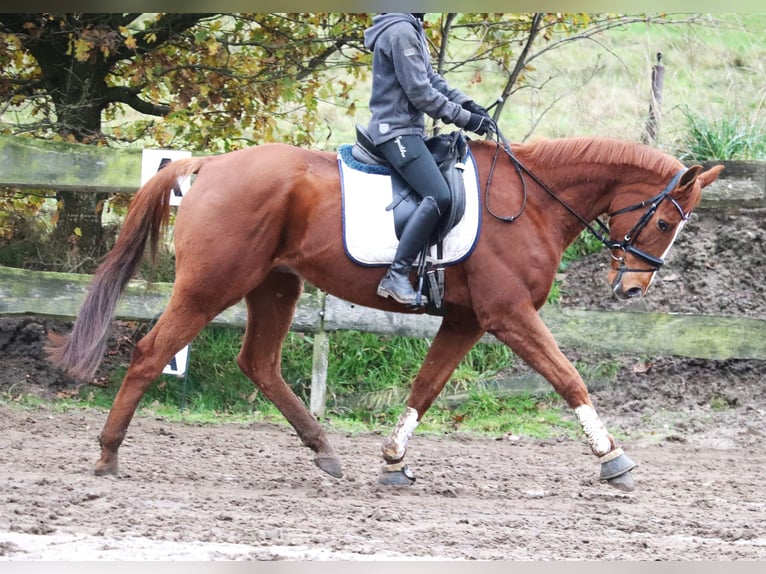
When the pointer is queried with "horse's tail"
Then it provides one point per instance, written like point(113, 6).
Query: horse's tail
point(81, 352)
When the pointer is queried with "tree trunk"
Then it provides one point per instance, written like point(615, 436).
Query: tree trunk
point(75, 53)
point(79, 227)
point(78, 93)
point(79, 217)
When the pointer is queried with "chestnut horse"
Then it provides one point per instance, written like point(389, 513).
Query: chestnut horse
point(258, 221)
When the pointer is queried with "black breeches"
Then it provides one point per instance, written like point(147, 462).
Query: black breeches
point(410, 157)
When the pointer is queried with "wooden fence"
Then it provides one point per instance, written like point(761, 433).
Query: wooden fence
point(32, 164)
point(59, 295)
point(27, 163)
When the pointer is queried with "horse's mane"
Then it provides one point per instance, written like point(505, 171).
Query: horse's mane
point(600, 150)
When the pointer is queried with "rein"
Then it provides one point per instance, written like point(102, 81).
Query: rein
point(626, 245)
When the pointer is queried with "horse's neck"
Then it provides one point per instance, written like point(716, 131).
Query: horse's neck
point(590, 174)
point(586, 192)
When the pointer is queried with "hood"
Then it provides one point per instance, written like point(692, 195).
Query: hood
point(383, 21)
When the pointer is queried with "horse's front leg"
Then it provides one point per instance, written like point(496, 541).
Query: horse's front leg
point(530, 339)
point(453, 340)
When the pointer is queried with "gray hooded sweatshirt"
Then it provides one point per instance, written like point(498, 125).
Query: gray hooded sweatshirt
point(404, 84)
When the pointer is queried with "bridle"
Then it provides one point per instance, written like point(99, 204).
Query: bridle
point(626, 245)
point(601, 230)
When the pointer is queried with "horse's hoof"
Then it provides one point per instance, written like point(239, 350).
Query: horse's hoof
point(398, 474)
point(329, 464)
point(623, 482)
point(106, 468)
point(615, 469)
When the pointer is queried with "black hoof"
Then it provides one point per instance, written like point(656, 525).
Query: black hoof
point(623, 482)
point(396, 475)
point(615, 470)
point(329, 464)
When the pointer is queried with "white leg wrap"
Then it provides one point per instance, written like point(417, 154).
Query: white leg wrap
point(396, 444)
point(594, 430)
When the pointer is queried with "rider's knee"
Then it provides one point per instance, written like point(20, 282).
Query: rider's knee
point(441, 200)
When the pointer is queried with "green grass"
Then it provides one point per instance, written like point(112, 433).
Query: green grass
point(215, 390)
point(540, 416)
point(602, 86)
point(585, 244)
point(726, 138)
point(714, 70)
point(483, 414)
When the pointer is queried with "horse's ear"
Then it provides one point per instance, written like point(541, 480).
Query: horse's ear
point(689, 176)
point(685, 190)
point(709, 176)
point(705, 177)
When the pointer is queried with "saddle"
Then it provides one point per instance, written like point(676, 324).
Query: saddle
point(449, 152)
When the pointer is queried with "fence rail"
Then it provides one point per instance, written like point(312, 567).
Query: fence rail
point(27, 163)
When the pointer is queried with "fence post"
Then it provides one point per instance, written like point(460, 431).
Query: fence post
point(655, 105)
point(320, 360)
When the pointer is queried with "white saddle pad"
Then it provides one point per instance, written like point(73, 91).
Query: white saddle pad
point(369, 236)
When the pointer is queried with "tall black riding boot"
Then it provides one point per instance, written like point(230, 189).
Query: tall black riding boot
point(419, 227)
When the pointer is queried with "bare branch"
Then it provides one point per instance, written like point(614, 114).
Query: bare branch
point(609, 24)
point(446, 29)
point(557, 99)
point(521, 63)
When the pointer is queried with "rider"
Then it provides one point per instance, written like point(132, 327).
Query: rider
point(404, 87)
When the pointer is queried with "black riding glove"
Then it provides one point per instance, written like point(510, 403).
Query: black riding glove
point(480, 124)
point(475, 108)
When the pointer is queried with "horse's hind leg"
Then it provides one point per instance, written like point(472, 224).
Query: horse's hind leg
point(175, 328)
point(270, 309)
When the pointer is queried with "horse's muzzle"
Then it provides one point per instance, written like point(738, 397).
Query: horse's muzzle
point(627, 286)
point(634, 292)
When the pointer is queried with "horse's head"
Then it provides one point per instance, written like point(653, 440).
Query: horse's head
point(642, 233)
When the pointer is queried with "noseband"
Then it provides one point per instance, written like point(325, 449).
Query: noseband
point(602, 234)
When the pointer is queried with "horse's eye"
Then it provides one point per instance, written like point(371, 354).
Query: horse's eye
point(663, 225)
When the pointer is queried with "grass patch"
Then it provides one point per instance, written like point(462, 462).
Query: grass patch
point(585, 244)
point(217, 391)
point(725, 138)
point(714, 70)
point(602, 86)
point(529, 415)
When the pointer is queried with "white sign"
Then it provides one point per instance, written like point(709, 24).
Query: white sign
point(153, 160)
point(178, 364)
